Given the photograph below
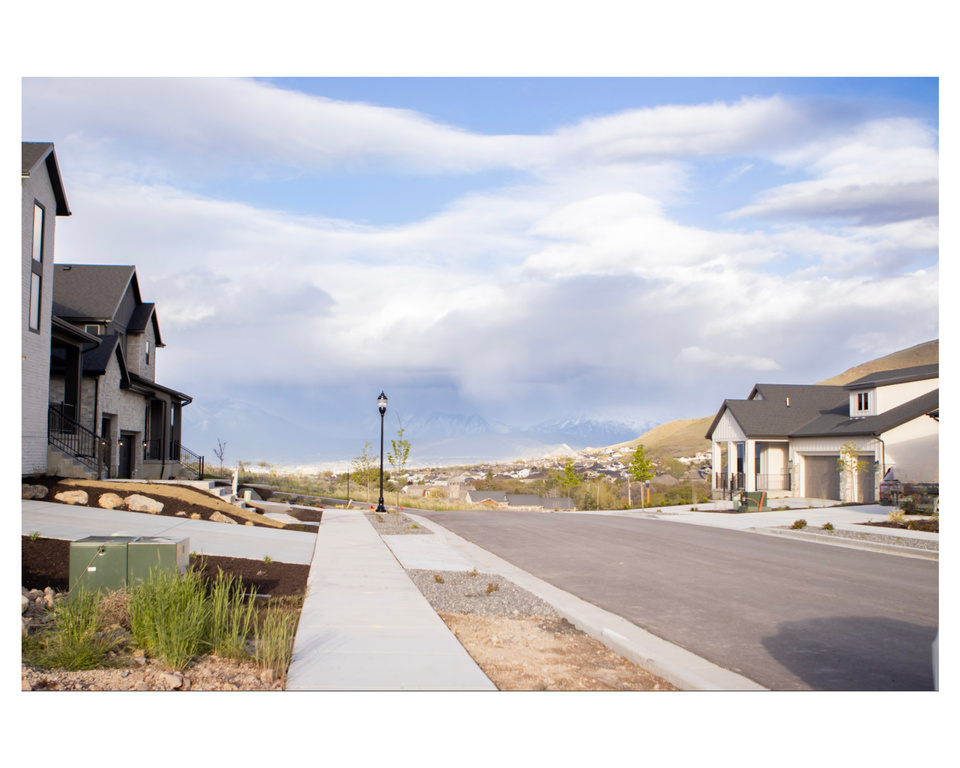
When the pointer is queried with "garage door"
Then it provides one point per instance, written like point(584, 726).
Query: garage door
point(821, 477)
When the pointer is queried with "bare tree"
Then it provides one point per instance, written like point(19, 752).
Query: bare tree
point(219, 452)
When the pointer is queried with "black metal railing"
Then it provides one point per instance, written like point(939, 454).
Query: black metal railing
point(729, 482)
point(778, 482)
point(186, 458)
point(70, 437)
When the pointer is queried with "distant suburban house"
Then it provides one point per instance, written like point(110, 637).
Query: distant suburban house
point(504, 500)
point(136, 420)
point(786, 439)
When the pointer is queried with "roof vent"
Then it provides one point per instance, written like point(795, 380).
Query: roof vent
point(788, 402)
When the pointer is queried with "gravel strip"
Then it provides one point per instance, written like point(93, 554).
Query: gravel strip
point(878, 538)
point(391, 524)
point(463, 592)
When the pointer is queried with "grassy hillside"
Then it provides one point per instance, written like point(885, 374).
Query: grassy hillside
point(685, 437)
point(922, 354)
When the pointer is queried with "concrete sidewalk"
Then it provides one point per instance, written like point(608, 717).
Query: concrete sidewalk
point(366, 627)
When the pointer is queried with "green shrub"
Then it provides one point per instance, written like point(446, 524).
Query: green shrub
point(827, 526)
point(799, 525)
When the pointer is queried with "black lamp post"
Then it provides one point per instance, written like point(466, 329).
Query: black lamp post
point(382, 405)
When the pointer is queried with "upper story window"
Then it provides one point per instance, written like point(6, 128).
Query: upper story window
point(94, 329)
point(146, 345)
point(36, 268)
point(863, 402)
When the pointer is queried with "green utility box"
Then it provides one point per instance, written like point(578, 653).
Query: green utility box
point(100, 563)
point(752, 501)
point(147, 553)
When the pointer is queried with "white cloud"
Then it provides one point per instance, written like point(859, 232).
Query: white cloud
point(581, 284)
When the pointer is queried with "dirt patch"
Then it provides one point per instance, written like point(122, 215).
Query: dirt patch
point(178, 501)
point(541, 654)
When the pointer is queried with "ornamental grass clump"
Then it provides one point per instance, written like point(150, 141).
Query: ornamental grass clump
point(232, 618)
point(799, 525)
point(274, 640)
point(78, 639)
point(169, 615)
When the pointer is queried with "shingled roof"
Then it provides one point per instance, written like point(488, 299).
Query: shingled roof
point(90, 291)
point(816, 410)
point(32, 154)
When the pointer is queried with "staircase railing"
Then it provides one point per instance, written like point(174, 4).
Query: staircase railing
point(186, 458)
point(70, 437)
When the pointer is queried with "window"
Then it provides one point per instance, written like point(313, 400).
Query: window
point(146, 345)
point(94, 329)
point(863, 401)
point(36, 268)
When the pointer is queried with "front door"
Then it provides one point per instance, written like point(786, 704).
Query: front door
point(125, 456)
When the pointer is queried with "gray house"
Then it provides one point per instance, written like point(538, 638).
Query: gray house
point(787, 439)
point(43, 200)
point(137, 420)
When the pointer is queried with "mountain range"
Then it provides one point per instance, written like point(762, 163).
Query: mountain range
point(252, 434)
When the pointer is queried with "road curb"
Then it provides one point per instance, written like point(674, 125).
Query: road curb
point(674, 664)
point(824, 538)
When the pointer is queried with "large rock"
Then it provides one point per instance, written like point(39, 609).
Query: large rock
point(33, 491)
point(219, 517)
point(110, 501)
point(138, 503)
point(72, 497)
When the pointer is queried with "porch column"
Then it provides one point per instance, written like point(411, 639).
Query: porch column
point(72, 376)
point(749, 465)
point(717, 464)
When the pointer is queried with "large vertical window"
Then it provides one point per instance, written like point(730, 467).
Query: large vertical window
point(36, 267)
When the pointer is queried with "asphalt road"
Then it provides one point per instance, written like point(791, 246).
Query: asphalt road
point(790, 615)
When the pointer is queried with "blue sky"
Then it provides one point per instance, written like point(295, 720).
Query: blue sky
point(519, 248)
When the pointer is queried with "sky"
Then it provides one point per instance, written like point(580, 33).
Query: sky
point(523, 249)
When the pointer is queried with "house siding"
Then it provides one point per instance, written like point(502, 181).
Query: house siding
point(897, 394)
point(34, 345)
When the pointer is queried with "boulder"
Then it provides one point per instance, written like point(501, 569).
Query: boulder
point(72, 497)
point(219, 517)
point(138, 503)
point(110, 501)
point(33, 491)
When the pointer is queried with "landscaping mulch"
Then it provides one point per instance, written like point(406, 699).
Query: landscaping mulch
point(46, 563)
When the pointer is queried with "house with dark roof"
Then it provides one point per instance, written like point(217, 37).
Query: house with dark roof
point(787, 439)
point(137, 420)
point(43, 201)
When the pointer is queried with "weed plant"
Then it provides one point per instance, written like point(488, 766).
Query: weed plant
point(799, 525)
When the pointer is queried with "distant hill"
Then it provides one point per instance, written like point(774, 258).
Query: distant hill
point(685, 437)
point(922, 354)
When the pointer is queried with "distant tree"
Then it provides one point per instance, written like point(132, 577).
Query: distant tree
point(639, 470)
point(568, 478)
point(219, 452)
point(674, 467)
point(365, 467)
point(398, 456)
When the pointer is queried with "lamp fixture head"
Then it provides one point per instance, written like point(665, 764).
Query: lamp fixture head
point(382, 403)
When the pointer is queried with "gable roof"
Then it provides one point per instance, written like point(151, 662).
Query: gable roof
point(90, 291)
point(32, 154)
point(817, 410)
point(776, 410)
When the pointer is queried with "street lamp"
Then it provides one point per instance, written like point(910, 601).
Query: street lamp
point(382, 406)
